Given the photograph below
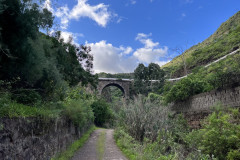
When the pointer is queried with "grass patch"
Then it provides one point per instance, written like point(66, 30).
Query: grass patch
point(69, 153)
point(147, 150)
point(101, 145)
point(13, 109)
point(127, 145)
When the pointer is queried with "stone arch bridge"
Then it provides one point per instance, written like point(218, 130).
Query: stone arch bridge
point(122, 84)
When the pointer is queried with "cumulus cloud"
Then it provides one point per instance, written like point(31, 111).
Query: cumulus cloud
point(126, 50)
point(151, 52)
point(111, 59)
point(98, 13)
point(148, 55)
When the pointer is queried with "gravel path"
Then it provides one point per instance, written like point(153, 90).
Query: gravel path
point(91, 151)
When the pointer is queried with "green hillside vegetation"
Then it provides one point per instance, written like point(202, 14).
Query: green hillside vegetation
point(116, 75)
point(225, 73)
point(223, 41)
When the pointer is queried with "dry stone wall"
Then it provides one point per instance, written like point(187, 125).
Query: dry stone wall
point(36, 139)
point(199, 106)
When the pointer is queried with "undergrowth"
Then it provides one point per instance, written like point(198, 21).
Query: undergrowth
point(218, 139)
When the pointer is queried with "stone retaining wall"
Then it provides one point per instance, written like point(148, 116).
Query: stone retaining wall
point(199, 106)
point(36, 139)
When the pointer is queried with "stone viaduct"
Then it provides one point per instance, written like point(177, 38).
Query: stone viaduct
point(122, 84)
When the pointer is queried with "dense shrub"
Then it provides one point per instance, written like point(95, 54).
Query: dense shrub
point(184, 88)
point(102, 112)
point(163, 148)
point(79, 111)
point(220, 135)
point(76, 107)
point(12, 109)
point(27, 96)
point(143, 118)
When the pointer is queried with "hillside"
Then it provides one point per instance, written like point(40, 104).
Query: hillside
point(222, 42)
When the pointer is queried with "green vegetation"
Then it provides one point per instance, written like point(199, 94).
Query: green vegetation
point(147, 130)
point(142, 77)
point(34, 67)
point(101, 145)
point(112, 94)
point(69, 153)
point(116, 75)
point(102, 112)
point(219, 136)
point(39, 74)
point(223, 74)
point(77, 109)
point(222, 42)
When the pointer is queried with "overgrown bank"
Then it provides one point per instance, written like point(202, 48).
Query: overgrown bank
point(150, 131)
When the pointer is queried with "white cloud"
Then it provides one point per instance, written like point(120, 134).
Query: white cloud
point(48, 5)
point(151, 52)
point(98, 13)
point(67, 36)
point(126, 50)
point(110, 59)
point(143, 38)
point(148, 55)
point(62, 13)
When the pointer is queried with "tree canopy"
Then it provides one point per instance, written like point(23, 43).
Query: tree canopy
point(143, 77)
point(35, 63)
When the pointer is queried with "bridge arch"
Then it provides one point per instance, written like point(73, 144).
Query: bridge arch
point(115, 85)
point(122, 84)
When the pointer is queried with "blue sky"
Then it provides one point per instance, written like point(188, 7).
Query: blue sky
point(123, 33)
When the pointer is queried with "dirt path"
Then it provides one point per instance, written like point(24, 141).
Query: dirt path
point(100, 146)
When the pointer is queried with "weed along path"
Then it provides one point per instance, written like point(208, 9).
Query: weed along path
point(100, 146)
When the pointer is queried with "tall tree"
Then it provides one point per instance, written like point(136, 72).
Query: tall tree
point(148, 79)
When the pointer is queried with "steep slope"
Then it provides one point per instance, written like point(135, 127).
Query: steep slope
point(222, 42)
